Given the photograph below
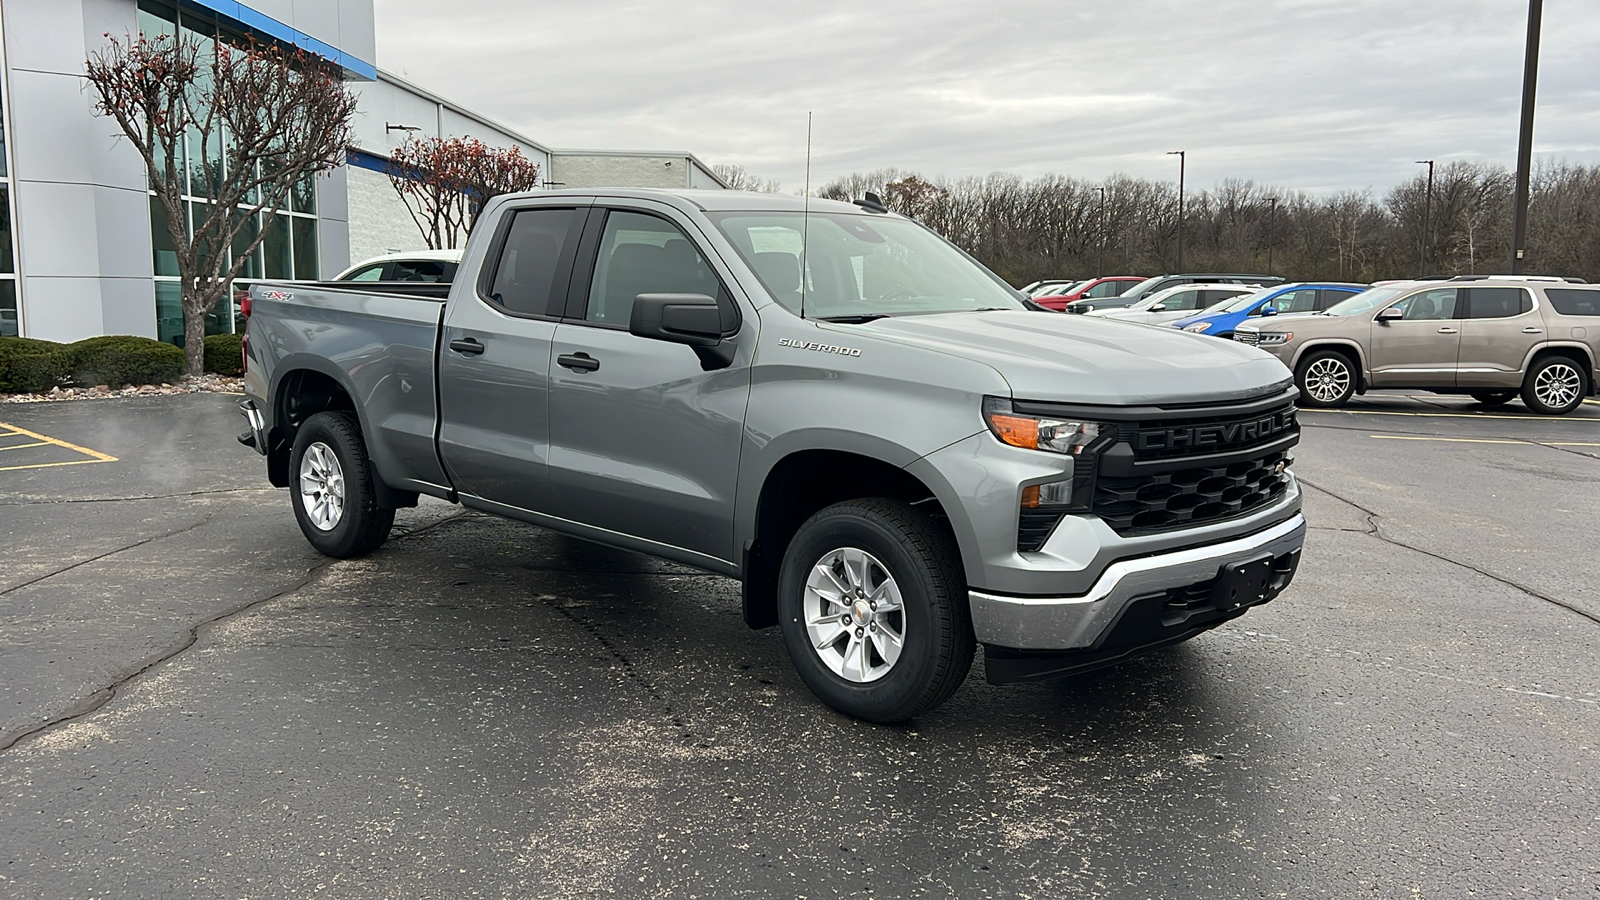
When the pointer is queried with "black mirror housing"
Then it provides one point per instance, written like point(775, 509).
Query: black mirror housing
point(692, 319)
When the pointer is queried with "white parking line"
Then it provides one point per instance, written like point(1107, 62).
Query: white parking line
point(1455, 440)
point(1423, 415)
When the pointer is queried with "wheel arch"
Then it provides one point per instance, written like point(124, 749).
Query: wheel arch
point(1347, 347)
point(1574, 349)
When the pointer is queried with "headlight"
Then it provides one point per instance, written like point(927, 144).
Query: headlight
point(1038, 432)
point(1198, 327)
point(1269, 338)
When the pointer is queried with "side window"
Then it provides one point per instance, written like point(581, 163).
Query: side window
point(1496, 302)
point(1180, 300)
point(1209, 299)
point(1108, 289)
point(370, 273)
point(422, 270)
point(1327, 298)
point(1303, 300)
point(1574, 301)
point(1439, 303)
point(642, 254)
point(530, 270)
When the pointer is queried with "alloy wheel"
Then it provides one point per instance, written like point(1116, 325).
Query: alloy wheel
point(855, 617)
point(1327, 380)
point(1558, 385)
point(322, 486)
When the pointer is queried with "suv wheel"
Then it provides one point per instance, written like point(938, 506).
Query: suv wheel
point(1556, 385)
point(874, 610)
point(1325, 379)
point(332, 488)
point(1493, 398)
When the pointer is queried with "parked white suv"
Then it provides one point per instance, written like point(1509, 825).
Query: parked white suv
point(1489, 337)
point(1176, 303)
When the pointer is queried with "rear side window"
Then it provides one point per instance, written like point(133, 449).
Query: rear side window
point(1497, 302)
point(370, 273)
point(1574, 302)
point(423, 270)
point(641, 254)
point(1302, 300)
point(1327, 298)
point(535, 261)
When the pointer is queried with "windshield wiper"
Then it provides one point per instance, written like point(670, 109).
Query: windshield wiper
point(853, 320)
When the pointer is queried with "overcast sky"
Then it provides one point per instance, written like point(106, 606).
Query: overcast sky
point(1312, 94)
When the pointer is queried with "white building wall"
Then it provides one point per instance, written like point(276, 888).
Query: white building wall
point(590, 171)
point(379, 222)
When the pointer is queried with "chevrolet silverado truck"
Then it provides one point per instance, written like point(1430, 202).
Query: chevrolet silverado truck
point(895, 454)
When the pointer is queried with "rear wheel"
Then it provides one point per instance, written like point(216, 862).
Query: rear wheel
point(1326, 379)
point(332, 487)
point(1494, 398)
point(874, 610)
point(1556, 385)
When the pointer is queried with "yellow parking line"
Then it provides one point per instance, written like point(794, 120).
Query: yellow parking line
point(1423, 415)
point(20, 446)
point(75, 462)
point(1408, 437)
point(98, 456)
point(1572, 444)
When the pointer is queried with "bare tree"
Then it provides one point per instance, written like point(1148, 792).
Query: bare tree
point(275, 117)
point(445, 183)
point(738, 178)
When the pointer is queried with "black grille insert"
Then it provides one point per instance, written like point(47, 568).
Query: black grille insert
point(1140, 504)
point(1035, 526)
point(1201, 435)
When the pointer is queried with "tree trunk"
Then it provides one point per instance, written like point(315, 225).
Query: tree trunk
point(194, 332)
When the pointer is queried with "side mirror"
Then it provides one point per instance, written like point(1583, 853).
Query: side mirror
point(1269, 310)
point(694, 320)
point(1392, 314)
point(1159, 307)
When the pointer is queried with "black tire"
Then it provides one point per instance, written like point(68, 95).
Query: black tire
point(361, 526)
point(936, 622)
point(1543, 378)
point(1312, 378)
point(1493, 398)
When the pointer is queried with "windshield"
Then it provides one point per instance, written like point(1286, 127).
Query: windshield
point(1056, 290)
point(861, 266)
point(1144, 285)
point(1244, 302)
point(1365, 301)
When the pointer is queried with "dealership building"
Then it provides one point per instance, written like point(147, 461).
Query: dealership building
point(84, 249)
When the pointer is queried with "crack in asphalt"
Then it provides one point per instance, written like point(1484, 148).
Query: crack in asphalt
point(1376, 530)
point(84, 562)
point(140, 497)
point(100, 697)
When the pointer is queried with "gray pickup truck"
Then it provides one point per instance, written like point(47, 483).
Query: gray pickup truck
point(895, 453)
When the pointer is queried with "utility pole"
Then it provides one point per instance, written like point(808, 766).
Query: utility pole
point(1427, 215)
point(1182, 162)
point(1100, 256)
point(1530, 75)
point(1272, 218)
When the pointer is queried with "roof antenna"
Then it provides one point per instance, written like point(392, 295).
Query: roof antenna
point(805, 219)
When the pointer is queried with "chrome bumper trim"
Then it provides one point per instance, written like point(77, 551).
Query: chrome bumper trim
point(258, 424)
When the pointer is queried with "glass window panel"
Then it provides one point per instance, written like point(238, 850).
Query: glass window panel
point(1429, 305)
point(165, 252)
point(169, 312)
point(1494, 302)
point(220, 319)
point(241, 290)
point(1574, 301)
point(528, 274)
point(275, 247)
point(197, 218)
point(370, 273)
point(156, 20)
point(8, 263)
point(241, 243)
point(305, 248)
point(303, 198)
point(642, 254)
point(9, 324)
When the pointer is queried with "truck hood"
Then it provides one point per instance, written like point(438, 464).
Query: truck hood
point(1089, 359)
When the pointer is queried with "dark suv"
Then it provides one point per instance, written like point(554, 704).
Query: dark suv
point(1161, 282)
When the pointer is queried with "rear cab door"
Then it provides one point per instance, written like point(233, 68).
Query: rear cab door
point(644, 435)
point(494, 355)
point(1498, 329)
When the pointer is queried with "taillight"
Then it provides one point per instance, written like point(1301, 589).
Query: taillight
point(244, 306)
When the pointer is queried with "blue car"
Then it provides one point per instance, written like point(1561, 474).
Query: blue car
point(1300, 297)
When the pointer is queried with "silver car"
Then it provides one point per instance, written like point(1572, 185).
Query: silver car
point(1176, 303)
point(1489, 337)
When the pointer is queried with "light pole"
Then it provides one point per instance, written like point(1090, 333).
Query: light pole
point(1182, 162)
point(1427, 215)
point(1530, 75)
point(1100, 256)
point(1272, 218)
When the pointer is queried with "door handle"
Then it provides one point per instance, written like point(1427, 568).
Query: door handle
point(467, 346)
point(578, 362)
point(1447, 330)
point(1532, 330)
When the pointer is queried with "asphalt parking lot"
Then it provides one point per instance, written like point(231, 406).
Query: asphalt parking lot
point(194, 704)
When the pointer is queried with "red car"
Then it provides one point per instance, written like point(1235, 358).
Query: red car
point(1093, 288)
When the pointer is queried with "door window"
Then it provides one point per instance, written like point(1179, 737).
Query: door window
point(1181, 300)
point(370, 273)
point(643, 254)
point(1327, 298)
point(1303, 300)
point(1497, 302)
point(1211, 298)
point(1107, 289)
point(1439, 303)
point(535, 264)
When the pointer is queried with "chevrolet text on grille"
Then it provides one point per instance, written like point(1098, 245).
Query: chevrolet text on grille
point(1219, 434)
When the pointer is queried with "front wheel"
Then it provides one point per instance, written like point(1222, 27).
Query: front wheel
point(1556, 385)
point(332, 487)
point(1325, 379)
point(873, 608)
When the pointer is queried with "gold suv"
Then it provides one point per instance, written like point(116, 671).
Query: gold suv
point(1490, 337)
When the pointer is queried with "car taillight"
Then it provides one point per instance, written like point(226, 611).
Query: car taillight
point(244, 306)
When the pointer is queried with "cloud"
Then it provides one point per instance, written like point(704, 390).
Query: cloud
point(1311, 94)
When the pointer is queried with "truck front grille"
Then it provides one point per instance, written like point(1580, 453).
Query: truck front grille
point(1141, 504)
point(1247, 337)
point(1174, 438)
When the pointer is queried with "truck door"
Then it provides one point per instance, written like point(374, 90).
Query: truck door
point(494, 359)
point(1498, 330)
point(1420, 348)
point(644, 439)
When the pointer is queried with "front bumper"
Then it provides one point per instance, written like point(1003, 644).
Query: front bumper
point(1174, 591)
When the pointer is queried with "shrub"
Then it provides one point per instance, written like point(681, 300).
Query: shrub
point(117, 359)
point(225, 354)
point(30, 365)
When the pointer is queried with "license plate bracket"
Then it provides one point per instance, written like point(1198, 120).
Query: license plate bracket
point(1242, 583)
